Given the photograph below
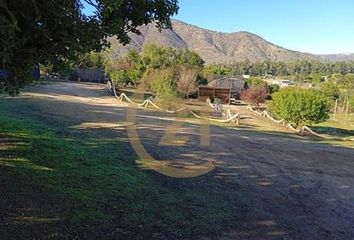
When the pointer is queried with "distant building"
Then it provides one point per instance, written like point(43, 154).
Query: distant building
point(283, 82)
point(224, 88)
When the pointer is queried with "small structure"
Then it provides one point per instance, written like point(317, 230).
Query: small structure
point(88, 75)
point(226, 89)
point(283, 82)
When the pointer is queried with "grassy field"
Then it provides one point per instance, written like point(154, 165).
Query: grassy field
point(340, 126)
point(58, 183)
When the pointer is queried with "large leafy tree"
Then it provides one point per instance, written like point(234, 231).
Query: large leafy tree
point(57, 31)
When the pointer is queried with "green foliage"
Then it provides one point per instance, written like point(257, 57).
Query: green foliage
point(330, 89)
point(315, 78)
point(154, 56)
point(254, 81)
point(300, 106)
point(118, 77)
point(46, 69)
point(273, 88)
point(116, 69)
point(157, 68)
point(136, 67)
point(348, 81)
point(91, 60)
point(188, 58)
point(85, 185)
point(299, 69)
point(351, 103)
point(58, 32)
point(163, 84)
point(212, 71)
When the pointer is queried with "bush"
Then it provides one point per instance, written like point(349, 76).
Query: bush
point(118, 77)
point(254, 81)
point(163, 85)
point(161, 82)
point(331, 90)
point(300, 106)
point(255, 95)
point(273, 88)
point(187, 80)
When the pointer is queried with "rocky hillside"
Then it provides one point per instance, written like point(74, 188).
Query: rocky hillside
point(338, 57)
point(213, 47)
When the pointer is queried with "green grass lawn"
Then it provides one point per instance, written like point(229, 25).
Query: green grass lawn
point(340, 126)
point(59, 184)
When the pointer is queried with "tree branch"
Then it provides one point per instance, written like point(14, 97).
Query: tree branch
point(91, 3)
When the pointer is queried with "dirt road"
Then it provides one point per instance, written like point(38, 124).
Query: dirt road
point(298, 188)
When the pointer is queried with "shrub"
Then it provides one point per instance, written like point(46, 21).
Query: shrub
point(300, 106)
point(118, 77)
point(254, 81)
point(161, 82)
point(255, 95)
point(330, 89)
point(187, 80)
point(273, 88)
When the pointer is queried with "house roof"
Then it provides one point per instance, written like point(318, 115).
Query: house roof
point(225, 82)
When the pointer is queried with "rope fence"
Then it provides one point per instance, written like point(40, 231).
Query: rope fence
point(230, 117)
point(302, 130)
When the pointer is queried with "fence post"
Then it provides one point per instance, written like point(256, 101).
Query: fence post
point(346, 111)
point(335, 109)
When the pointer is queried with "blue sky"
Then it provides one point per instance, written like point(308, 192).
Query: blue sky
point(316, 26)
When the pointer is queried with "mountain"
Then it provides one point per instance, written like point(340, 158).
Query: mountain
point(213, 47)
point(338, 57)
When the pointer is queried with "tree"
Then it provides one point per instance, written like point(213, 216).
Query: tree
point(154, 56)
point(315, 78)
point(254, 81)
point(300, 106)
point(273, 88)
point(330, 89)
point(58, 32)
point(187, 57)
point(256, 95)
point(136, 67)
point(91, 60)
point(163, 85)
point(117, 70)
point(186, 80)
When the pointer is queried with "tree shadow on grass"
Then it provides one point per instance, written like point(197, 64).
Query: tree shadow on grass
point(67, 186)
point(85, 183)
point(333, 131)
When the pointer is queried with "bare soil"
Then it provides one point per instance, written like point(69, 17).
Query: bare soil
point(298, 187)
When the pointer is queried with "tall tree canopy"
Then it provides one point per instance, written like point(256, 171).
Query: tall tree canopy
point(57, 31)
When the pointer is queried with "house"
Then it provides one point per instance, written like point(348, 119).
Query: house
point(225, 88)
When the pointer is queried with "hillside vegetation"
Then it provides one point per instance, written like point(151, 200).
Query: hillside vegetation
point(213, 47)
